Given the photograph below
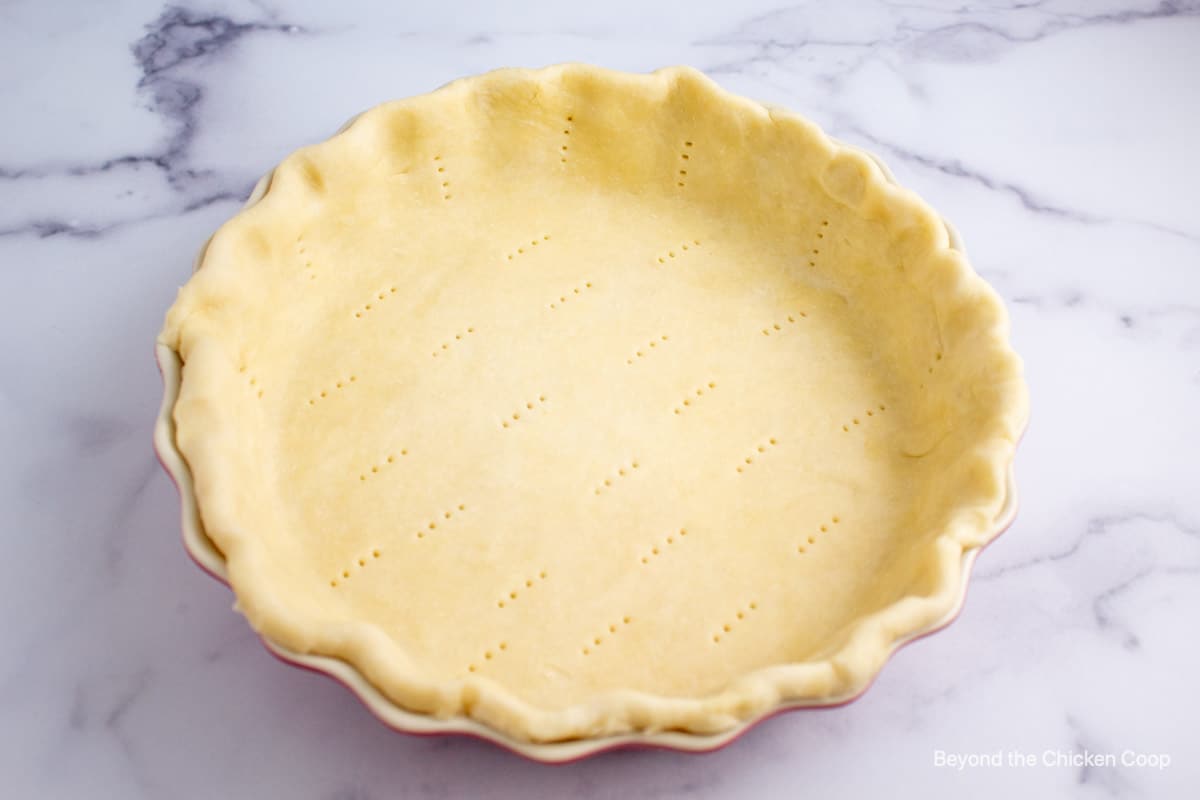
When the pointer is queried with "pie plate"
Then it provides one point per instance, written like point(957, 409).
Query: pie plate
point(569, 440)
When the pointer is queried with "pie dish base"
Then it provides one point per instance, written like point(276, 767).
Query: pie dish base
point(208, 557)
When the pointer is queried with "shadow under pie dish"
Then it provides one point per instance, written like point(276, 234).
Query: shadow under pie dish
point(569, 407)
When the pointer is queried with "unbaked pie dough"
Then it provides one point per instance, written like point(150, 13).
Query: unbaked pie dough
point(580, 402)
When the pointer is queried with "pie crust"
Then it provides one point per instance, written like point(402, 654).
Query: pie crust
point(580, 403)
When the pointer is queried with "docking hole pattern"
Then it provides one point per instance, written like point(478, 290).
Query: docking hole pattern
point(813, 536)
point(251, 382)
point(525, 412)
point(439, 168)
point(685, 158)
point(338, 385)
point(731, 624)
point(515, 594)
point(779, 326)
point(376, 300)
point(375, 469)
point(691, 398)
point(677, 252)
point(647, 347)
point(498, 650)
point(653, 551)
point(933, 364)
point(447, 344)
point(763, 448)
point(600, 638)
point(622, 472)
point(446, 519)
point(815, 253)
point(570, 294)
point(527, 248)
point(305, 258)
point(665, 543)
point(564, 148)
point(359, 564)
point(862, 418)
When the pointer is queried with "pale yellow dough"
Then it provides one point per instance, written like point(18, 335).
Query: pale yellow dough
point(582, 402)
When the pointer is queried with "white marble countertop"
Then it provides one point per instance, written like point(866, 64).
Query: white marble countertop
point(1058, 136)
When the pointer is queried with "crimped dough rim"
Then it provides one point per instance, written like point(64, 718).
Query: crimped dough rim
point(841, 675)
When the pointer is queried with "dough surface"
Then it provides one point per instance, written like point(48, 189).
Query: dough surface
point(582, 402)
